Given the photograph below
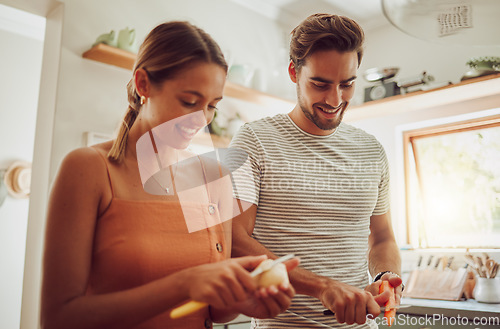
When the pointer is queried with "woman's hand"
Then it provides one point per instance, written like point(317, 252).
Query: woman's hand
point(223, 284)
point(271, 301)
point(262, 303)
point(267, 302)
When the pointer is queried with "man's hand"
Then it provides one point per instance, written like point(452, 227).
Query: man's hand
point(350, 304)
point(394, 280)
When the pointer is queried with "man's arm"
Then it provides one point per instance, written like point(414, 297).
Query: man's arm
point(304, 282)
point(384, 252)
point(350, 304)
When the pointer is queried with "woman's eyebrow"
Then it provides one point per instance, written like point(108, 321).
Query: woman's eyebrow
point(196, 93)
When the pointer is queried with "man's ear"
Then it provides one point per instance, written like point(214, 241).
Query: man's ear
point(142, 84)
point(292, 72)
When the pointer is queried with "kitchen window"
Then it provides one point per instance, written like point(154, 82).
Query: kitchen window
point(452, 175)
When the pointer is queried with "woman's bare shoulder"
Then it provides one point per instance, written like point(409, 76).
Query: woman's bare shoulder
point(85, 162)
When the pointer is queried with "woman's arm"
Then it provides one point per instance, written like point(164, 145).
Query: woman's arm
point(73, 209)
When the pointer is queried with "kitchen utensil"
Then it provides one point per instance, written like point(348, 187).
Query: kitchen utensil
point(450, 260)
point(382, 309)
point(193, 306)
point(380, 74)
point(484, 258)
point(429, 261)
point(469, 259)
point(421, 79)
point(126, 40)
point(107, 38)
point(490, 265)
point(479, 266)
point(446, 263)
point(419, 262)
point(438, 261)
point(381, 90)
point(430, 283)
point(494, 271)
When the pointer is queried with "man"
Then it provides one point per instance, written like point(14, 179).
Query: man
point(317, 187)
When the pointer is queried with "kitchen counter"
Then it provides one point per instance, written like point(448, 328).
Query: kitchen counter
point(442, 314)
point(467, 308)
point(428, 313)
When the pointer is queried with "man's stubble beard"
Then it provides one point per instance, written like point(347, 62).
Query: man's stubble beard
point(314, 118)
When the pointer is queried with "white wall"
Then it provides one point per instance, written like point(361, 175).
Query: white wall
point(20, 64)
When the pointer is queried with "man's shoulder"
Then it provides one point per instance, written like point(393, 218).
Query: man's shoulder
point(265, 129)
point(267, 123)
point(356, 134)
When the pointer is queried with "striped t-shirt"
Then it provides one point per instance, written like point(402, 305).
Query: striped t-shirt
point(315, 196)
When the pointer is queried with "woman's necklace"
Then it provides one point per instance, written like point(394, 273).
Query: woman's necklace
point(172, 175)
point(159, 176)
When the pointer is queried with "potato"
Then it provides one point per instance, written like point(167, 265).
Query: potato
point(274, 276)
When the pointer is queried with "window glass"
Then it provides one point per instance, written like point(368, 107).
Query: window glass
point(454, 187)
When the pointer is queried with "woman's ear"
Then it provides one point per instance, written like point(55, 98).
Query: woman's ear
point(292, 72)
point(142, 84)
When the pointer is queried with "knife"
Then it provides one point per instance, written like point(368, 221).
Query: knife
point(382, 309)
point(260, 270)
point(193, 306)
point(448, 271)
point(419, 262)
point(429, 262)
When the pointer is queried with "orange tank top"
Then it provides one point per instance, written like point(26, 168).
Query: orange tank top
point(138, 241)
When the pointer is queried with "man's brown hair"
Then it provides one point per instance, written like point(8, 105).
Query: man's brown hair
point(325, 32)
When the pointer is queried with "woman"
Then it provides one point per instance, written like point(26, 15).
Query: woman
point(120, 253)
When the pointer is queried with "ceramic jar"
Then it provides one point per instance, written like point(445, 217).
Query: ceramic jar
point(487, 290)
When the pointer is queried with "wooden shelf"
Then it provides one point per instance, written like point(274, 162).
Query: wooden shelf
point(111, 55)
point(470, 89)
point(124, 59)
point(254, 96)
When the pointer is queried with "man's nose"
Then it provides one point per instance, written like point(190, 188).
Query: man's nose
point(334, 97)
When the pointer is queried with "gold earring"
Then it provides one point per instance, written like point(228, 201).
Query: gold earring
point(143, 100)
